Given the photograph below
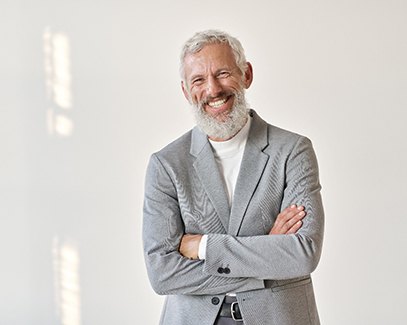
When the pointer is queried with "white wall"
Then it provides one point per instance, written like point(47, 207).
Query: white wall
point(89, 89)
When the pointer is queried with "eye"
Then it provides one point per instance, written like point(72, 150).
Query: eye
point(197, 81)
point(223, 74)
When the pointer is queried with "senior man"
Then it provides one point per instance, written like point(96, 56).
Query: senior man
point(233, 218)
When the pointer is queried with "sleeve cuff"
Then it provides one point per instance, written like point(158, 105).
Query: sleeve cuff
point(202, 247)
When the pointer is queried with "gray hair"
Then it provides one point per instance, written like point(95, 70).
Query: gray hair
point(212, 36)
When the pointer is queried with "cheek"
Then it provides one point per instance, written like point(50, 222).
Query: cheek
point(196, 95)
point(233, 84)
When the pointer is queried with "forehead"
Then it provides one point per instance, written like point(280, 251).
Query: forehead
point(211, 57)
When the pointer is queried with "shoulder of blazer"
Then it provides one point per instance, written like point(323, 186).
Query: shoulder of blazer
point(177, 149)
point(267, 136)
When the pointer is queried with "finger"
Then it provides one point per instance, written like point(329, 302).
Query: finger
point(297, 217)
point(288, 225)
point(288, 209)
point(287, 218)
point(289, 213)
point(284, 215)
point(295, 228)
point(289, 221)
point(293, 209)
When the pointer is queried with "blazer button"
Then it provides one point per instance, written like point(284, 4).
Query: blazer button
point(221, 270)
point(215, 300)
point(226, 270)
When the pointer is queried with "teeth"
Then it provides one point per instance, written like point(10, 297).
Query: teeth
point(218, 103)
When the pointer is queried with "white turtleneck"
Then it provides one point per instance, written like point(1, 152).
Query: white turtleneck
point(228, 155)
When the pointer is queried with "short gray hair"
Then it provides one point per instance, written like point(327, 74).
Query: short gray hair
point(213, 36)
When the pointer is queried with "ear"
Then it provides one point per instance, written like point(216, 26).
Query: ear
point(185, 91)
point(248, 75)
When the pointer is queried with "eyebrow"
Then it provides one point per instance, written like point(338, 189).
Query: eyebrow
point(196, 76)
point(200, 75)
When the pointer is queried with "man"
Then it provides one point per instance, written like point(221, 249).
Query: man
point(233, 218)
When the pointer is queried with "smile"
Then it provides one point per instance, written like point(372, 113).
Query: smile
point(218, 103)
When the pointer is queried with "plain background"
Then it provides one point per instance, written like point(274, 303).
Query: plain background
point(89, 89)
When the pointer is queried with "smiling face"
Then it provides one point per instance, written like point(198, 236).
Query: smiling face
point(213, 82)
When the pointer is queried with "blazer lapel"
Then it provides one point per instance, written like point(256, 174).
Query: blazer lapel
point(253, 163)
point(209, 175)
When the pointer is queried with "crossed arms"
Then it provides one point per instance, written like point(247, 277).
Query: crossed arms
point(291, 248)
point(287, 222)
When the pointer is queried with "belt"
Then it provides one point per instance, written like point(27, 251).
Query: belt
point(231, 310)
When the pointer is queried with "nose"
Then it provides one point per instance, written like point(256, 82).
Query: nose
point(214, 87)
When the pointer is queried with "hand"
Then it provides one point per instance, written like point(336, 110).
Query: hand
point(189, 246)
point(288, 221)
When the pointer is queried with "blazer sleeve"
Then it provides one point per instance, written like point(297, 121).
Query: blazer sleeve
point(169, 272)
point(278, 257)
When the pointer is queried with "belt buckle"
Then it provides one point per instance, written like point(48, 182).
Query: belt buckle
point(232, 312)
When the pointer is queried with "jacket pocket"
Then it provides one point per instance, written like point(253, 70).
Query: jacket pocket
point(289, 284)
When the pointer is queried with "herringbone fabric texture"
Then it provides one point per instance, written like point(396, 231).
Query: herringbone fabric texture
point(184, 193)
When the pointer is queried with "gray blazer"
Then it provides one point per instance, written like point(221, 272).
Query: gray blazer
point(184, 193)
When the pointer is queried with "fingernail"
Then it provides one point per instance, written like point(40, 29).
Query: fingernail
point(293, 206)
point(300, 207)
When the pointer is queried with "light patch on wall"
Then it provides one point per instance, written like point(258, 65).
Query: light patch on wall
point(59, 123)
point(58, 81)
point(67, 282)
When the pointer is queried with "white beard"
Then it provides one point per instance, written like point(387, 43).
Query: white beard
point(228, 128)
